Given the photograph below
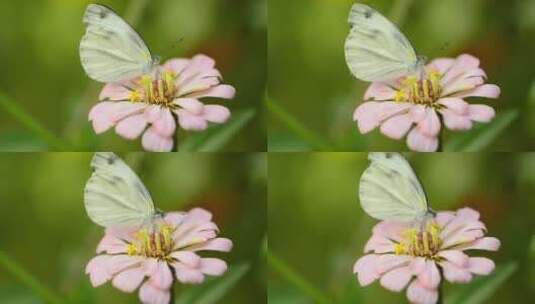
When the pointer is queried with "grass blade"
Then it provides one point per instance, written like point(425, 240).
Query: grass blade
point(482, 135)
point(482, 288)
point(213, 291)
point(217, 136)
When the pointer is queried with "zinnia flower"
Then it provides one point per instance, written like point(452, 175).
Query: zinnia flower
point(161, 254)
point(401, 255)
point(152, 104)
point(413, 104)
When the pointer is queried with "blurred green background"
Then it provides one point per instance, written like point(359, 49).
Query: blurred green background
point(309, 79)
point(318, 229)
point(44, 228)
point(41, 69)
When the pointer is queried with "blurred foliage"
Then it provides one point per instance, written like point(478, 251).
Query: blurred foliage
point(308, 76)
point(42, 73)
point(317, 227)
point(44, 228)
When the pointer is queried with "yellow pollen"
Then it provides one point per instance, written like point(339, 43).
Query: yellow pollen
point(421, 243)
point(424, 91)
point(156, 244)
point(160, 91)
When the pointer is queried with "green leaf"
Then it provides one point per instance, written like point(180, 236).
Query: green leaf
point(21, 141)
point(214, 290)
point(482, 135)
point(482, 288)
point(17, 294)
point(217, 136)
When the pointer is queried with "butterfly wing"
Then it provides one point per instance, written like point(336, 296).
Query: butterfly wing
point(389, 189)
point(375, 49)
point(111, 50)
point(114, 195)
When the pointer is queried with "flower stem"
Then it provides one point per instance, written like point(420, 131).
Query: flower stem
point(15, 110)
point(296, 126)
point(440, 293)
point(294, 278)
point(27, 279)
point(400, 10)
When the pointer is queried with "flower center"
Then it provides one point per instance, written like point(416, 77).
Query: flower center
point(425, 91)
point(160, 91)
point(156, 244)
point(420, 242)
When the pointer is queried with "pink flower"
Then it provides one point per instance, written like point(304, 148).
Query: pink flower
point(131, 257)
point(150, 105)
point(412, 105)
point(401, 255)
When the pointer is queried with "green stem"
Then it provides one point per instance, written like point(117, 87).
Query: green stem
point(296, 126)
point(400, 11)
point(27, 279)
point(294, 278)
point(15, 110)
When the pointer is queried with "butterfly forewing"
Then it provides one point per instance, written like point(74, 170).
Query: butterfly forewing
point(111, 50)
point(375, 49)
point(114, 195)
point(389, 189)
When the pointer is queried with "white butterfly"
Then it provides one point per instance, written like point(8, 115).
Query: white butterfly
point(114, 195)
point(111, 50)
point(375, 49)
point(389, 189)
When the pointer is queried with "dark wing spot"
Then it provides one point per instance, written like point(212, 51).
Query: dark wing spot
point(368, 13)
point(111, 159)
point(102, 14)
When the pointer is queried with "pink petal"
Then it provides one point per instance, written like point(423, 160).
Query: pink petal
point(153, 113)
point(396, 279)
point(486, 243)
point(468, 214)
point(430, 276)
point(387, 262)
point(430, 125)
point(97, 269)
point(454, 121)
point(199, 215)
point(455, 274)
point(442, 64)
point(418, 294)
point(129, 279)
point(131, 127)
point(188, 275)
point(216, 113)
point(366, 115)
point(391, 229)
point(461, 85)
point(189, 121)
point(174, 218)
point(379, 244)
point(217, 244)
point(114, 91)
point(220, 91)
point(165, 125)
point(176, 65)
point(444, 217)
point(486, 90)
point(396, 127)
point(149, 294)
point(481, 266)
point(118, 263)
point(162, 278)
point(420, 142)
point(365, 269)
point(124, 109)
point(111, 245)
point(187, 258)
point(418, 113)
point(481, 113)
point(213, 266)
point(379, 91)
point(192, 105)
point(152, 141)
point(457, 105)
point(101, 116)
point(457, 257)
